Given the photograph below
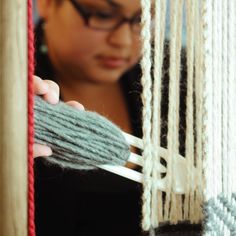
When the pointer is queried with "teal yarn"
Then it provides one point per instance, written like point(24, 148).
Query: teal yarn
point(79, 139)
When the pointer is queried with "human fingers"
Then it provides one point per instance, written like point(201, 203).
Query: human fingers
point(48, 88)
point(75, 105)
point(40, 87)
point(41, 150)
point(52, 96)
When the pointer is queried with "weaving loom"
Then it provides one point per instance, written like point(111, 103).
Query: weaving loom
point(209, 197)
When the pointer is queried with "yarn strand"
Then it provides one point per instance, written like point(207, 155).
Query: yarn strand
point(146, 96)
point(31, 224)
point(159, 33)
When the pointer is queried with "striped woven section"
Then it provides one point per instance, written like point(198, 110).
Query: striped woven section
point(220, 215)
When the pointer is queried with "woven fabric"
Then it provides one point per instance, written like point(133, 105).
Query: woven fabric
point(79, 139)
point(220, 215)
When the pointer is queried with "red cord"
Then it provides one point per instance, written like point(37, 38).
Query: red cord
point(31, 224)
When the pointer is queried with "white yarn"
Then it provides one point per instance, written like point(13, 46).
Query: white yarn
point(173, 113)
point(207, 96)
point(231, 147)
point(219, 104)
point(210, 148)
point(198, 60)
point(189, 144)
point(146, 99)
point(216, 100)
point(159, 33)
point(176, 211)
point(218, 96)
point(224, 95)
point(233, 110)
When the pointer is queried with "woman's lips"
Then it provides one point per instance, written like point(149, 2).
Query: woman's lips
point(113, 62)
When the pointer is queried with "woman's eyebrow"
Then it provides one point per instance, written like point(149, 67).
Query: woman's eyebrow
point(114, 4)
point(119, 6)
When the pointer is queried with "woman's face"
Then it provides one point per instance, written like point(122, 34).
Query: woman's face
point(86, 53)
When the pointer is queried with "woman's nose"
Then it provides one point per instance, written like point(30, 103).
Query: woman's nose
point(122, 36)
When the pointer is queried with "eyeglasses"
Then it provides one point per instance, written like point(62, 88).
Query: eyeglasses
point(106, 20)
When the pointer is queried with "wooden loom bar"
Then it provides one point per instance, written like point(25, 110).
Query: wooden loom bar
point(13, 118)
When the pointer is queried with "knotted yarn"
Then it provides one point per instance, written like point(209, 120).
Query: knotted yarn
point(79, 139)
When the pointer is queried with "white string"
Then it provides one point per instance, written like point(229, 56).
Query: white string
point(211, 63)
point(216, 101)
point(220, 129)
point(218, 97)
point(207, 96)
point(173, 113)
point(219, 94)
point(198, 60)
point(189, 144)
point(231, 98)
point(159, 33)
point(233, 94)
point(146, 99)
point(176, 210)
point(224, 95)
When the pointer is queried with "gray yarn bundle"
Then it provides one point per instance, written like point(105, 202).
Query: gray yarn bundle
point(79, 139)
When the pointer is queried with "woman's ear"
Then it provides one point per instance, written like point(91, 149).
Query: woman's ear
point(44, 7)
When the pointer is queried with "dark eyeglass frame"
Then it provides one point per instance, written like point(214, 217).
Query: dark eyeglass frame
point(87, 15)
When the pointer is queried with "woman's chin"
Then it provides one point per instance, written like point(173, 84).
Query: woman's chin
point(105, 80)
point(107, 77)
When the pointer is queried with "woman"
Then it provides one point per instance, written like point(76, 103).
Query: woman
point(90, 48)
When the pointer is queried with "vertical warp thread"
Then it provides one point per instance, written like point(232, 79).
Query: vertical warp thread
point(31, 225)
point(173, 111)
point(159, 33)
point(146, 114)
point(219, 91)
point(228, 100)
point(233, 89)
point(206, 10)
point(216, 102)
point(218, 97)
point(189, 144)
point(224, 95)
point(176, 212)
point(198, 60)
point(231, 98)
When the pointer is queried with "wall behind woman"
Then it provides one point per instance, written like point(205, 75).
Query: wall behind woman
point(35, 12)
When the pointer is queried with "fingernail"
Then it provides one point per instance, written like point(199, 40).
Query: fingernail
point(55, 97)
point(76, 105)
point(45, 86)
point(48, 151)
point(79, 107)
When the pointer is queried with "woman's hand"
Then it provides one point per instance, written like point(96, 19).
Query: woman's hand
point(49, 90)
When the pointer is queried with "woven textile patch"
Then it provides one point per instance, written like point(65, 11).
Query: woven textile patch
point(220, 215)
